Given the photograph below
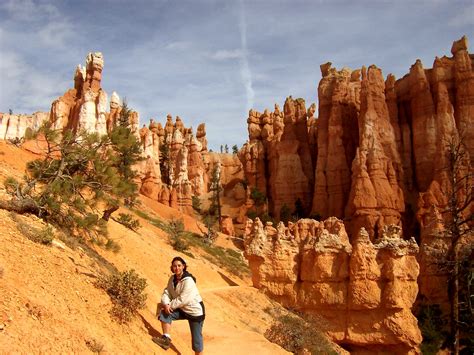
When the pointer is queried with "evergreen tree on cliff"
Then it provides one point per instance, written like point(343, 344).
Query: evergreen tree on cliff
point(79, 175)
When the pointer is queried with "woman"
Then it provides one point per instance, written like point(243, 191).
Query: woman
point(181, 300)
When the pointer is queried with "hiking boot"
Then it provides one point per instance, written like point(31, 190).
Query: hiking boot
point(164, 342)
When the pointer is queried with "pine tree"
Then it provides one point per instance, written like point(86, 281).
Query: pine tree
point(165, 163)
point(215, 188)
point(78, 175)
point(124, 118)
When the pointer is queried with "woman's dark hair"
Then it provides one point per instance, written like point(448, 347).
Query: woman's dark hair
point(180, 259)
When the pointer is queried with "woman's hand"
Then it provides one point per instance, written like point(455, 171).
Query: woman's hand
point(167, 309)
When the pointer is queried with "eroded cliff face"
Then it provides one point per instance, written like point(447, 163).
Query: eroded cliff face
point(187, 167)
point(14, 126)
point(278, 157)
point(364, 290)
point(377, 147)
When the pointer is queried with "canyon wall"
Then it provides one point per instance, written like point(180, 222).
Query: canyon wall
point(379, 150)
point(363, 291)
point(375, 148)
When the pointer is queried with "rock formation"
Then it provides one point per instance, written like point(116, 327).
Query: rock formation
point(375, 146)
point(339, 105)
point(376, 197)
point(278, 152)
point(13, 126)
point(364, 290)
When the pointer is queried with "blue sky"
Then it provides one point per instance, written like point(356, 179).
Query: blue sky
point(210, 61)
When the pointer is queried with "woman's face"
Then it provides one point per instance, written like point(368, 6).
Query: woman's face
point(177, 267)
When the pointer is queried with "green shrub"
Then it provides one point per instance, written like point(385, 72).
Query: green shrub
point(258, 196)
point(294, 334)
point(126, 291)
point(431, 324)
point(285, 213)
point(252, 214)
point(46, 235)
point(128, 221)
point(112, 246)
point(175, 234)
point(43, 235)
point(153, 220)
point(11, 185)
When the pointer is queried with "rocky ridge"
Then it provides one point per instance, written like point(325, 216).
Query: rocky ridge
point(363, 290)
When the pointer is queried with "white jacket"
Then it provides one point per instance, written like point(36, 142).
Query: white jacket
point(185, 296)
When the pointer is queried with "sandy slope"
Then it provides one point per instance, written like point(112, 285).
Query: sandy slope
point(49, 303)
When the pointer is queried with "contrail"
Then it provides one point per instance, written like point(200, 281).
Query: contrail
point(245, 72)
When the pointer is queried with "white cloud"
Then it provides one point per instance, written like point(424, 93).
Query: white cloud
point(178, 45)
point(227, 54)
point(29, 11)
point(244, 68)
point(55, 34)
point(26, 89)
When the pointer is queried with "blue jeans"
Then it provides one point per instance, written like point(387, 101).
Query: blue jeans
point(194, 326)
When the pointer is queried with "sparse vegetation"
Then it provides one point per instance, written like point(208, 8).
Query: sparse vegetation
point(112, 245)
point(295, 334)
point(165, 163)
point(126, 290)
point(175, 235)
point(153, 220)
point(196, 203)
point(2, 271)
point(299, 210)
point(16, 141)
point(95, 346)
point(433, 328)
point(229, 259)
point(215, 189)
point(226, 258)
point(39, 235)
point(457, 261)
point(128, 221)
point(285, 213)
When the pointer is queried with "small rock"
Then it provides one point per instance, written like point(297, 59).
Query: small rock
point(58, 244)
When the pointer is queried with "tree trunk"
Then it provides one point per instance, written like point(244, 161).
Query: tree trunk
point(455, 304)
point(21, 206)
point(108, 212)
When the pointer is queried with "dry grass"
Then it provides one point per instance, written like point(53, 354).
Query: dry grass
point(94, 345)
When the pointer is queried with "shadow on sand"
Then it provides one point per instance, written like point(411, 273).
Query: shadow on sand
point(154, 333)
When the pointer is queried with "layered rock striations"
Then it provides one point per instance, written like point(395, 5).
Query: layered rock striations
point(376, 195)
point(364, 290)
point(277, 159)
point(337, 137)
point(376, 148)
